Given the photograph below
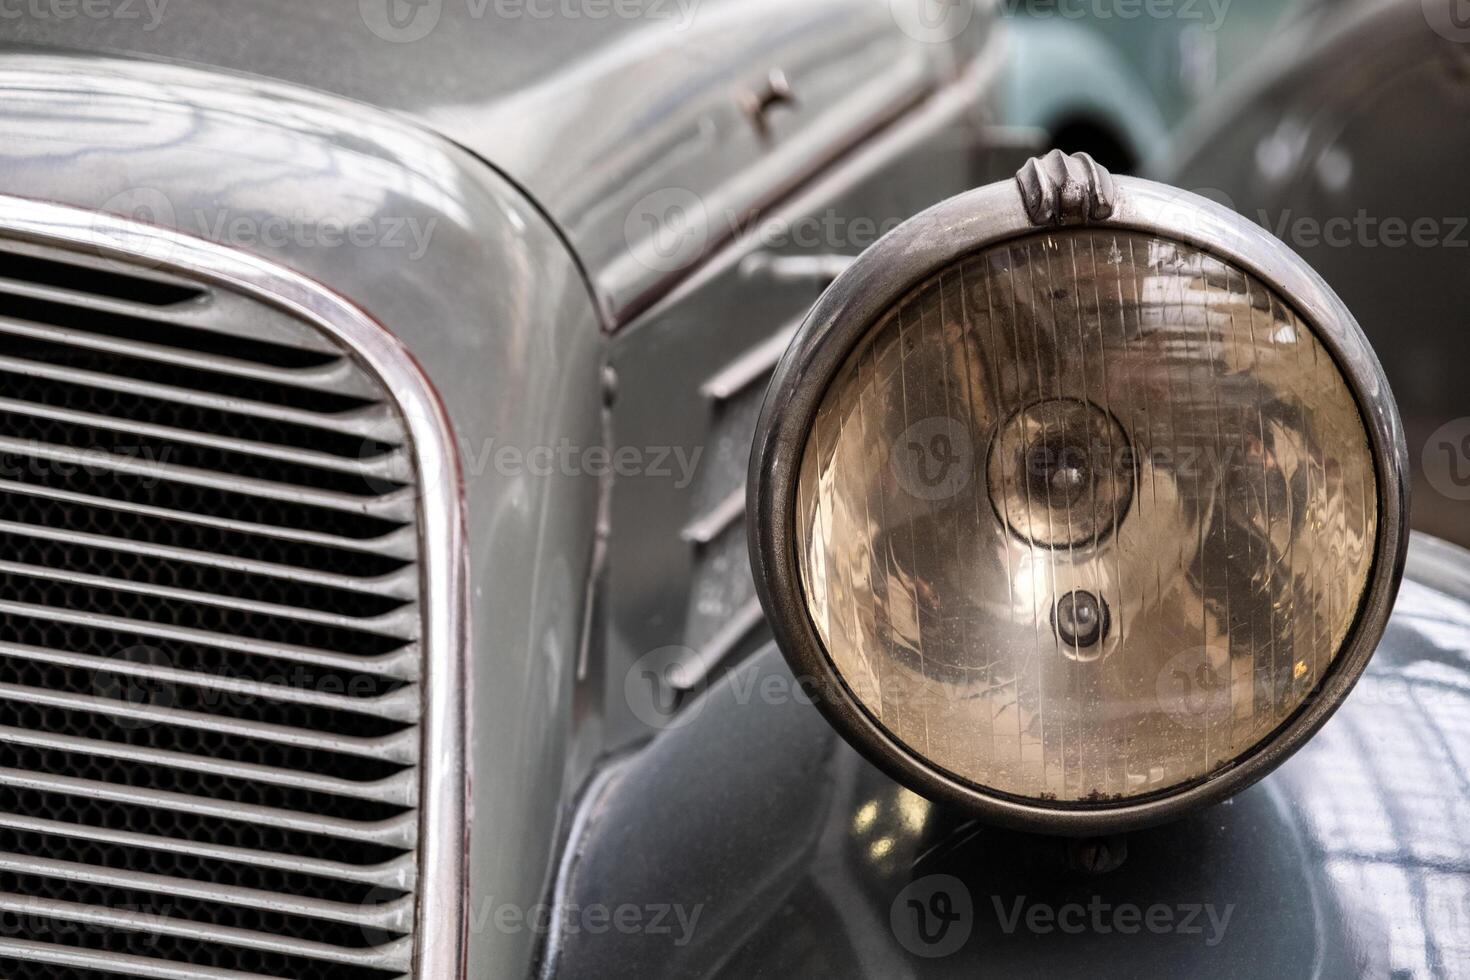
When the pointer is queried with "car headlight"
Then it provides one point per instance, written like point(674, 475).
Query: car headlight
point(1081, 499)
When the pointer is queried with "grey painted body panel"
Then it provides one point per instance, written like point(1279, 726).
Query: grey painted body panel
point(793, 855)
point(610, 122)
point(485, 296)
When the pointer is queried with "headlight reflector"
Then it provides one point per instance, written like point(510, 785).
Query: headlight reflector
point(1166, 547)
point(1079, 501)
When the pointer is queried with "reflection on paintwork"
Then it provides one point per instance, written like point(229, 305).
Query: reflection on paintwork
point(1389, 826)
point(1348, 861)
point(1086, 517)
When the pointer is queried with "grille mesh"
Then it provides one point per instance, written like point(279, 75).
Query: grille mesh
point(209, 636)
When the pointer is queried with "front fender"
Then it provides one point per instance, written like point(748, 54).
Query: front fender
point(770, 848)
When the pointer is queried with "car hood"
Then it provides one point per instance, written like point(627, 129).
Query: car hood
point(619, 117)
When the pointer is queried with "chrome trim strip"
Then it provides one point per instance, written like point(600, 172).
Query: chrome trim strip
point(393, 956)
point(395, 790)
point(399, 831)
point(697, 670)
point(440, 929)
point(115, 963)
point(750, 367)
point(704, 529)
point(385, 665)
point(388, 915)
point(335, 374)
point(397, 873)
point(363, 421)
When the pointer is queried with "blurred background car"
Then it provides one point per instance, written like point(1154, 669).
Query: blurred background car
point(1340, 127)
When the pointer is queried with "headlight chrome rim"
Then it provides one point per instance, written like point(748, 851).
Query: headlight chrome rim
point(899, 264)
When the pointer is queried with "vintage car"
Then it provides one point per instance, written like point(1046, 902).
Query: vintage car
point(682, 488)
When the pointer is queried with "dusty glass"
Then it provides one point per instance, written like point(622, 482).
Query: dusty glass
point(1086, 517)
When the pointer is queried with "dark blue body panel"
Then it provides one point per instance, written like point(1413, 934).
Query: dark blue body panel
point(772, 849)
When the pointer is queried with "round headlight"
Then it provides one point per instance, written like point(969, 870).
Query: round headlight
point(1082, 500)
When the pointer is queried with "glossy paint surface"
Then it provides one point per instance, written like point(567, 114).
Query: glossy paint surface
point(630, 123)
point(793, 856)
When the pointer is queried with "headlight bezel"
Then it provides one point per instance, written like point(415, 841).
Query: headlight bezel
point(1053, 192)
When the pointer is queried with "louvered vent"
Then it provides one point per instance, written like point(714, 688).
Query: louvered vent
point(209, 636)
point(724, 612)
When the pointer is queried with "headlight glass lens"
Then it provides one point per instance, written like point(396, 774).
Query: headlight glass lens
point(1086, 517)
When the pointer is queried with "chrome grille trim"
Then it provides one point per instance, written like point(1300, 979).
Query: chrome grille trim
point(415, 848)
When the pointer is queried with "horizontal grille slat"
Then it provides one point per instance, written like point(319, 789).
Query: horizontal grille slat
point(400, 790)
point(222, 620)
point(391, 506)
point(398, 665)
point(182, 498)
point(392, 915)
point(115, 813)
point(208, 862)
point(150, 927)
point(210, 635)
point(222, 693)
point(29, 274)
point(382, 614)
point(366, 422)
point(396, 831)
point(84, 353)
point(395, 748)
point(163, 299)
point(396, 585)
point(103, 966)
point(98, 330)
point(62, 429)
point(369, 467)
point(194, 532)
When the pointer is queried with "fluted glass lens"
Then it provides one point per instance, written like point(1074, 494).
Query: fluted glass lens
point(1086, 517)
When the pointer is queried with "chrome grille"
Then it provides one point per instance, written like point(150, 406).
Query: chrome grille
point(210, 632)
